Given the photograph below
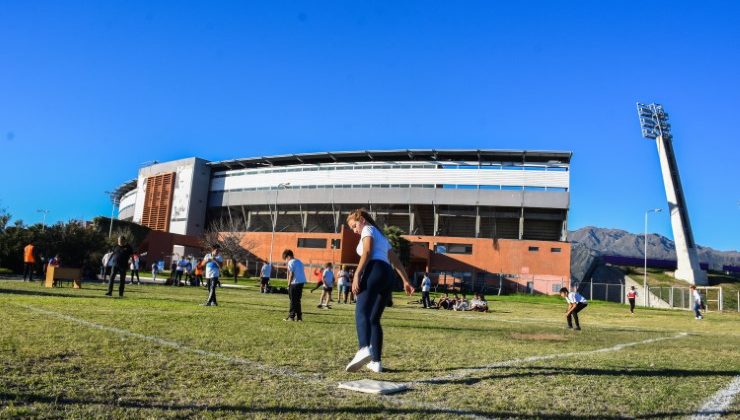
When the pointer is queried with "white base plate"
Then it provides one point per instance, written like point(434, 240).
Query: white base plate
point(370, 386)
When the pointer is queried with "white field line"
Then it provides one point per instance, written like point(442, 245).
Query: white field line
point(716, 405)
point(173, 344)
point(459, 374)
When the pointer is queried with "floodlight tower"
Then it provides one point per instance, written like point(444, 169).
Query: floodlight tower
point(654, 123)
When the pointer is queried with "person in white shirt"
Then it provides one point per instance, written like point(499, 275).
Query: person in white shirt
point(372, 284)
point(155, 270)
point(576, 303)
point(107, 265)
point(296, 281)
point(696, 297)
point(134, 266)
point(426, 287)
point(265, 276)
point(479, 303)
point(328, 279)
point(343, 284)
point(213, 262)
point(462, 305)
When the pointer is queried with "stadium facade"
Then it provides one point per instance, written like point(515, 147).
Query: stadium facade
point(473, 217)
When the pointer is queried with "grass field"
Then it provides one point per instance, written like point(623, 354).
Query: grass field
point(157, 354)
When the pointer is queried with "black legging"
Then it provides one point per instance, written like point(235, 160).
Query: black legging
point(574, 314)
point(375, 289)
point(122, 283)
point(295, 293)
point(632, 304)
point(28, 271)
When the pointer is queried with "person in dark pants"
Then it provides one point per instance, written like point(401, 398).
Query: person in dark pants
point(119, 262)
point(372, 284)
point(296, 281)
point(135, 261)
point(576, 303)
point(213, 262)
point(631, 296)
point(426, 287)
point(29, 260)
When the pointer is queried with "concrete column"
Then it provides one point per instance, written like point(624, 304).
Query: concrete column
point(436, 221)
point(687, 258)
point(477, 221)
point(521, 224)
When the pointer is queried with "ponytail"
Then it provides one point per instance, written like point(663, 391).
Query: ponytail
point(362, 213)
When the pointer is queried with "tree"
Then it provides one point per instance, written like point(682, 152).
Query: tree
point(235, 245)
point(401, 245)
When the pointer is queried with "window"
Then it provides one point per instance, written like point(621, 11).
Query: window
point(336, 243)
point(534, 248)
point(556, 287)
point(554, 249)
point(466, 249)
point(311, 243)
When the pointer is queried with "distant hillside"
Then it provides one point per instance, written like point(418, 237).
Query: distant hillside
point(625, 244)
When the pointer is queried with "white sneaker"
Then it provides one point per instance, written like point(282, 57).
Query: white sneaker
point(361, 357)
point(376, 367)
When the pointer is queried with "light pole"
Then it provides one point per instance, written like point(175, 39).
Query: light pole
point(274, 218)
point(114, 202)
point(43, 221)
point(644, 272)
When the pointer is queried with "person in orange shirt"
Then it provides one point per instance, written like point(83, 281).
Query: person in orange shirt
point(199, 272)
point(29, 260)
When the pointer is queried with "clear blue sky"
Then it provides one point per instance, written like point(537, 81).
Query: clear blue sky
point(89, 90)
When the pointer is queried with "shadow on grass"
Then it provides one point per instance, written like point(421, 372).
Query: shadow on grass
point(529, 372)
point(60, 401)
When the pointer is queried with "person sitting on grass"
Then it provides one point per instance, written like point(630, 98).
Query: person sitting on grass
point(576, 303)
point(445, 302)
point(479, 303)
point(462, 304)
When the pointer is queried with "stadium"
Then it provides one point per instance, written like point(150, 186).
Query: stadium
point(475, 219)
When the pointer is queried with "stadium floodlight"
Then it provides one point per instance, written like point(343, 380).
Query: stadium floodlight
point(653, 121)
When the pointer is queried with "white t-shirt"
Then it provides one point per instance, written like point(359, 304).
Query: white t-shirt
point(266, 270)
point(575, 297)
point(343, 278)
point(697, 296)
point(212, 265)
point(328, 278)
point(381, 246)
point(426, 284)
point(296, 267)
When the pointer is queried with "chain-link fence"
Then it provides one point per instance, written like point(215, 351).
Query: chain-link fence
point(677, 297)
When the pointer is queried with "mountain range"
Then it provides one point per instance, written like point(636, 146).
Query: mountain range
point(616, 242)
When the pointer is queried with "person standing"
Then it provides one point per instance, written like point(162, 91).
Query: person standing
point(328, 277)
point(696, 297)
point(134, 266)
point(29, 261)
point(119, 261)
point(106, 264)
point(213, 262)
point(296, 281)
point(155, 271)
point(576, 303)
point(199, 269)
point(631, 297)
point(343, 285)
point(180, 270)
point(265, 273)
point(372, 284)
point(426, 287)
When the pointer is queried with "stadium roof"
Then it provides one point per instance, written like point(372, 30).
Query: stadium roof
point(470, 155)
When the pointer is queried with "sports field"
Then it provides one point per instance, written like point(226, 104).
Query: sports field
point(157, 354)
